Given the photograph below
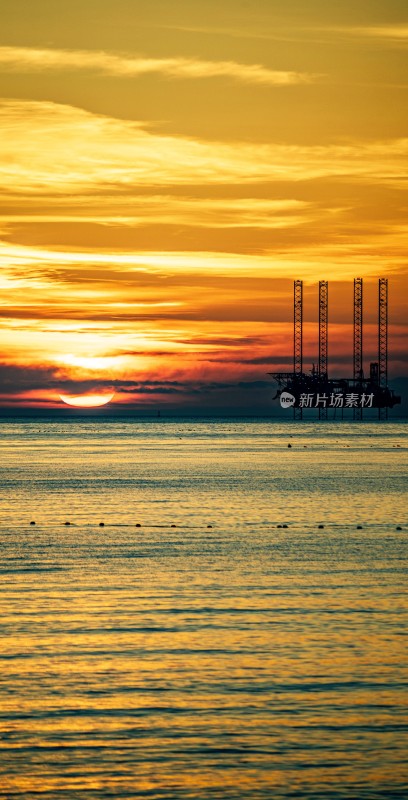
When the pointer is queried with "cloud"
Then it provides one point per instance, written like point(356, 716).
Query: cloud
point(18, 379)
point(55, 283)
point(15, 378)
point(173, 210)
point(25, 58)
point(301, 33)
point(53, 149)
point(395, 33)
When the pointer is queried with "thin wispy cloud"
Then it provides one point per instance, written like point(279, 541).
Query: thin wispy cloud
point(391, 32)
point(189, 211)
point(302, 33)
point(25, 58)
point(53, 148)
point(276, 35)
point(23, 261)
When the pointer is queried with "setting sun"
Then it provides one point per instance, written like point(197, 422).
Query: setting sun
point(87, 400)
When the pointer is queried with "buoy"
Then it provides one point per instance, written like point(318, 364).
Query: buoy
point(320, 526)
point(32, 523)
point(172, 526)
point(289, 445)
point(67, 523)
point(284, 526)
point(398, 528)
point(359, 527)
point(209, 526)
point(279, 526)
point(138, 525)
point(101, 524)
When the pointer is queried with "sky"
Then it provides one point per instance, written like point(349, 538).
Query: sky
point(167, 169)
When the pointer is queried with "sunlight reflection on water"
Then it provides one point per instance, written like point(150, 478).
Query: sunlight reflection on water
point(238, 661)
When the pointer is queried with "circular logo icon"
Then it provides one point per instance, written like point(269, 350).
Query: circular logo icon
point(287, 400)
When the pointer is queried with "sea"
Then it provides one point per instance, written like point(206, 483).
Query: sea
point(204, 609)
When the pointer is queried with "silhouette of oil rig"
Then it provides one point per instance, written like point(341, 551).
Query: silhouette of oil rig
point(302, 390)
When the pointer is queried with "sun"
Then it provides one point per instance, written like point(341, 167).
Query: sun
point(86, 400)
point(86, 380)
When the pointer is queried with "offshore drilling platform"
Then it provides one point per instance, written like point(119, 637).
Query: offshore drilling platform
point(303, 390)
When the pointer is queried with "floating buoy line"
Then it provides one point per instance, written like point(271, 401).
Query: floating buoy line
point(320, 526)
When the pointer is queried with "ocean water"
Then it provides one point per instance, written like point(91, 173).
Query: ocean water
point(241, 660)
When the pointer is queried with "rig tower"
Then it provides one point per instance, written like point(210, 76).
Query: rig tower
point(358, 374)
point(298, 339)
point(383, 340)
point(323, 317)
point(315, 389)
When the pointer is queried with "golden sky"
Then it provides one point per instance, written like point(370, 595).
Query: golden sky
point(167, 170)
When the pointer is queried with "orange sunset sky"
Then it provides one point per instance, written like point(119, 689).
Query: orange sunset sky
point(168, 169)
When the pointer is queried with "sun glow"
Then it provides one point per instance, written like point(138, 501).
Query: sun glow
point(89, 363)
point(86, 400)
